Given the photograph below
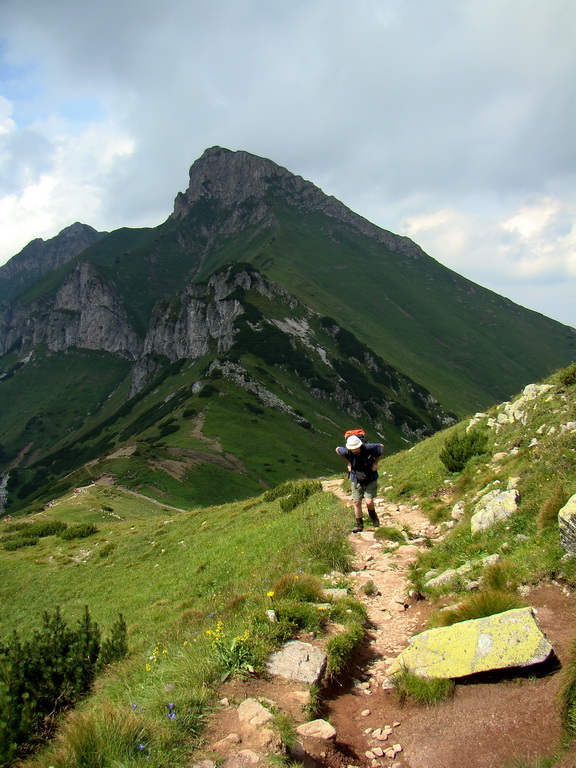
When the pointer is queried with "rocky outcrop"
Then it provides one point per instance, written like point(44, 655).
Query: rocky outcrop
point(494, 506)
point(502, 641)
point(86, 312)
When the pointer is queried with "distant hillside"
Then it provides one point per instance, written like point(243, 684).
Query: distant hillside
point(261, 310)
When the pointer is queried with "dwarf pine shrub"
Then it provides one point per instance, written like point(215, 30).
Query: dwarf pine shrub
point(460, 448)
point(48, 673)
point(299, 494)
point(79, 531)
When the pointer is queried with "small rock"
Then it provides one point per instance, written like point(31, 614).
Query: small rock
point(378, 751)
point(365, 713)
point(251, 711)
point(369, 754)
point(318, 729)
point(397, 748)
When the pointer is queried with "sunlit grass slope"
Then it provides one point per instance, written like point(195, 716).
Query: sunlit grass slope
point(187, 584)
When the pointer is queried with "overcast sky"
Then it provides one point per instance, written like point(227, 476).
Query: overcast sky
point(450, 121)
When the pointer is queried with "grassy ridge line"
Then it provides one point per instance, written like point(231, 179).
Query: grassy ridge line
point(175, 578)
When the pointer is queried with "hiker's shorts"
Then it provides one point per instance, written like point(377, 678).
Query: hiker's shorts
point(360, 492)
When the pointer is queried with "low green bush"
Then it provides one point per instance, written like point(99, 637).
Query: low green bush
point(18, 542)
point(459, 448)
point(48, 673)
point(299, 494)
point(79, 531)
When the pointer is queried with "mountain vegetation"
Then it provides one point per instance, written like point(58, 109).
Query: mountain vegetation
point(194, 586)
point(224, 351)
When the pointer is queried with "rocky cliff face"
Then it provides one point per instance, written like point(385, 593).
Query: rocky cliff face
point(40, 257)
point(86, 312)
point(231, 179)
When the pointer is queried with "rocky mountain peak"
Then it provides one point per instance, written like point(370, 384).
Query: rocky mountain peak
point(235, 178)
point(42, 256)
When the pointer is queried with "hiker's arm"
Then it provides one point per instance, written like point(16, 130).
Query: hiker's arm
point(342, 456)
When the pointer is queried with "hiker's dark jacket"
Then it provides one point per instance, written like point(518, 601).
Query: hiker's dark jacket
point(361, 463)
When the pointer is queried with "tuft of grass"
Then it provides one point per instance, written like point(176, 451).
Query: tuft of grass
point(567, 691)
point(500, 577)
point(485, 603)
point(108, 737)
point(369, 589)
point(331, 551)
point(312, 708)
point(341, 648)
point(390, 533)
point(548, 514)
point(300, 615)
point(298, 586)
point(284, 726)
point(423, 690)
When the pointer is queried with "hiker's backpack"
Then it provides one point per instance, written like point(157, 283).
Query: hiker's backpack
point(358, 432)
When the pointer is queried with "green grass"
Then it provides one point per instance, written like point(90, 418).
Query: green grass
point(476, 606)
point(422, 690)
point(193, 589)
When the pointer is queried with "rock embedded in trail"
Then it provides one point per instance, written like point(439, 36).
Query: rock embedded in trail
point(504, 640)
point(298, 661)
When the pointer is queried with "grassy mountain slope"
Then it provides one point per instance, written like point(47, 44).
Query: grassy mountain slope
point(177, 574)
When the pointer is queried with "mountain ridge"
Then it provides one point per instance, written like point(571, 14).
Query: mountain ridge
point(255, 268)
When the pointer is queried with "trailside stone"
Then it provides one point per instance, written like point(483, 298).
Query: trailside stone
point(493, 507)
point(251, 711)
point(443, 578)
point(501, 641)
point(567, 525)
point(333, 593)
point(317, 729)
point(246, 758)
point(298, 661)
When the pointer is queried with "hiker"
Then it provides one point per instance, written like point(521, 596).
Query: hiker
point(362, 461)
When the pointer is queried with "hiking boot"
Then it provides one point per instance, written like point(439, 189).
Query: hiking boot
point(359, 527)
point(374, 519)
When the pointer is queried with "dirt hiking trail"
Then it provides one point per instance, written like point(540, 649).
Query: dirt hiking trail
point(490, 722)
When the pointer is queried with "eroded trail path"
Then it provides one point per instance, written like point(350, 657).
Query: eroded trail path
point(393, 615)
point(486, 724)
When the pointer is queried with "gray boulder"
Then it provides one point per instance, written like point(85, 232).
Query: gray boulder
point(298, 661)
point(494, 507)
point(567, 525)
point(504, 640)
